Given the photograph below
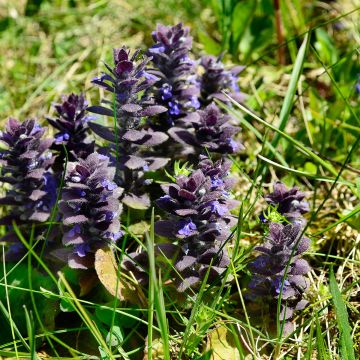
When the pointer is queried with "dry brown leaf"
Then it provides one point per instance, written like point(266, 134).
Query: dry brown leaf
point(106, 269)
point(221, 342)
point(107, 272)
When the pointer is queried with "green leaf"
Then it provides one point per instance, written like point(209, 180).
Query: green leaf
point(325, 47)
point(290, 93)
point(18, 298)
point(66, 306)
point(115, 336)
point(156, 300)
point(241, 17)
point(358, 187)
point(33, 7)
point(346, 344)
point(210, 45)
point(310, 167)
point(139, 228)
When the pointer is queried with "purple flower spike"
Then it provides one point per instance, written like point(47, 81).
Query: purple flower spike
point(126, 80)
point(26, 168)
point(90, 216)
point(26, 164)
point(134, 139)
point(198, 218)
point(210, 130)
point(282, 250)
point(71, 122)
point(215, 79)
point(289, 202)
point(170, 58)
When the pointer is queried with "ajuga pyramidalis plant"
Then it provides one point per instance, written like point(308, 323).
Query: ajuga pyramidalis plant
point(198, 221)
point(71, 123)
point(215, 78)
point(26, 164)
point(208, 130)
point(131, 141)
point(288, 202)
point(177, 89)
point(269, 268)
point(125, 81)
point(279, 269)
point(90, 208)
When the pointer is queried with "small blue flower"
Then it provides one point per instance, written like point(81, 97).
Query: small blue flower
point(114, 236)
point(277, 282)
point(149, 76)
point(82, 249)
point(218, 209)
point(75, 230)
point(61, 137)
point(216, 182)
point(109, 185)
point(15, 250)
point(233, 145)
point(109, 215)
point(81, 193)
point(263, 219)
point(157, 49)
point(174, 108)
point(165, 92)
point(195, 102)
point(357, 88)
point(187, 227)
point(234, 83)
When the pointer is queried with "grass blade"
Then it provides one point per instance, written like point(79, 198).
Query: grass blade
point(341, 220)
point(346, 344)
point(323, 354)
point(296, 143)
point(156, 299)
point(290, 93)
point(304, 173)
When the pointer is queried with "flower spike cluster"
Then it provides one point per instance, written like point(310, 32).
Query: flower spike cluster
point(210, 129)
point(151, 99)
point(288, 202)
point(215, 79)
point(71, 123)
point(199, 220)
point(279, 269)
point(125, 81)
point(170, 56)
point(90, 208)
point(132, 142)
point(25, 165)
